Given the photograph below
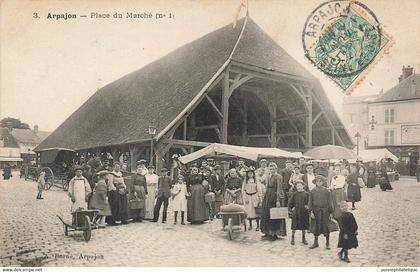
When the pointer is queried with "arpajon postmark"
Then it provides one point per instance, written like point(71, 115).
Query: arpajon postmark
point(344, 39)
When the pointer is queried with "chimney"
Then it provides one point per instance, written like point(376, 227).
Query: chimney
point(36, 129)
point(406, 72)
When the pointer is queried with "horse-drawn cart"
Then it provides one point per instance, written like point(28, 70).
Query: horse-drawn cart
point(56, 163)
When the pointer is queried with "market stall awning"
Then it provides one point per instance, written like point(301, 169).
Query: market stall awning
point(377, 155)
point(249, 153)
point(10, 159)
point(326, 152)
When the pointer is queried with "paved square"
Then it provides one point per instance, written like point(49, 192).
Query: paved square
point(31, 234)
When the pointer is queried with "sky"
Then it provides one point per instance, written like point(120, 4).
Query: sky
point(49, 68)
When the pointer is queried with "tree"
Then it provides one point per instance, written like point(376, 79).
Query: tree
point(13, 123)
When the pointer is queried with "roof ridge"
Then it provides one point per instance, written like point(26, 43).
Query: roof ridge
point(205, 87)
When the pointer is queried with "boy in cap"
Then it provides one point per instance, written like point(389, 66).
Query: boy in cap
point(163, 194)
point(298, 211)
point(320, 207)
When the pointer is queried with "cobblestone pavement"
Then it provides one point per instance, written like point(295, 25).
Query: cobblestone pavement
point(31, 234)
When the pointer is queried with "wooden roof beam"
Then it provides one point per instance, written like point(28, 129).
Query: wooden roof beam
point(219, 114)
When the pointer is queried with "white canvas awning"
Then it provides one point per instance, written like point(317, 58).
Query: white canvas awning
point(250, 153)
point(10, 159)
point(377, 155)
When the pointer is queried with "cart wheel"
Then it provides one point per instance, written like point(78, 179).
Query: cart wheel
point(230, 231)
point(49, 177)
point(66, 230)
point(65, 185)
point(88, 229)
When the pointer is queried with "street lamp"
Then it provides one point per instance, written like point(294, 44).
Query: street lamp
point(152, 132)
point(357, 136)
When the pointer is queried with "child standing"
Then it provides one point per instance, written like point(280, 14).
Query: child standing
point(251, 197)
point(99, 199)
point(320, 207)
point(347, 237)
point(299, 211)
point(41, 183)
point(179, 199)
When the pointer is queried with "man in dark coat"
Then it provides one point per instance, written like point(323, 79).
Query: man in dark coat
point(347, 237)
point(163, 194)
point(320, 206)
point(217, 185)
point(285, 174)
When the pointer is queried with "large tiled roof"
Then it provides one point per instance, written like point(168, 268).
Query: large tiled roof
point(121, 112)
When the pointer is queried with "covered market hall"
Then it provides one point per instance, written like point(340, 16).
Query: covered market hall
point(233, 86)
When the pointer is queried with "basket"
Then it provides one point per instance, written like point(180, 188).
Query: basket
point(210, 197)
point(279, 213)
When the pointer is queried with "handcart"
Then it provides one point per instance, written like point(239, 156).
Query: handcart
point(232, 221)
point(82, 221)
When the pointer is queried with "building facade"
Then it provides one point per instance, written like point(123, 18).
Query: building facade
point(356, 118)
point(394, 119)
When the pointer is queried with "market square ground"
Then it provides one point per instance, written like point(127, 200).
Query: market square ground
point(31, 234)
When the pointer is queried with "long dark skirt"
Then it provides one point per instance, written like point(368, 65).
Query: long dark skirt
point(371, 181)
point(271, 226)
point(197, 209)
point(350, 242)
point(353, 193)
point(385, 185)
point(319, 225)
point(119, 207)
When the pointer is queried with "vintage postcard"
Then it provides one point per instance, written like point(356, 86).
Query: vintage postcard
point(230, 133)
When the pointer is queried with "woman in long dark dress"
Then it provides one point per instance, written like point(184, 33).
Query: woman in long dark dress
point(371, 175)
point(353, 190)
point(198, 211)
point(137, 197)
point(274, 197)
point(383, 179)
point(117, 197)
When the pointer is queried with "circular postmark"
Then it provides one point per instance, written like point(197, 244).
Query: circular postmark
point(341, 37)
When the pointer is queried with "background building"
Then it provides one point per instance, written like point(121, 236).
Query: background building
point(355, 117)
point(394, 119)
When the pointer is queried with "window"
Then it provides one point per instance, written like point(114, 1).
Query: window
point(389, 116)
point(389, 136)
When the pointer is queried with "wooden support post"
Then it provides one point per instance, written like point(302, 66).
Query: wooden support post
point(135, 151)
point(244, 139)
point(273, 119)
point(184, 132)
point(116, 154)
point(309, 121)
point(333, 136)
point(158, 156)
point(225, 108)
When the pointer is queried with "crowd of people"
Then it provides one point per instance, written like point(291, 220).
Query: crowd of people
point(315, 195)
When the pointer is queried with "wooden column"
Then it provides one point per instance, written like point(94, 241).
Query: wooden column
point(273, 120)
point(135, 151)
point(244, 139)
point(116, 153)
point(158, 156)
point(184, 131)
point(308, 137)
point(225, 108)
point(333, 136)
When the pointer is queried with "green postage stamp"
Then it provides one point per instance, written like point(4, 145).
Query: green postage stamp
point(344, 40)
